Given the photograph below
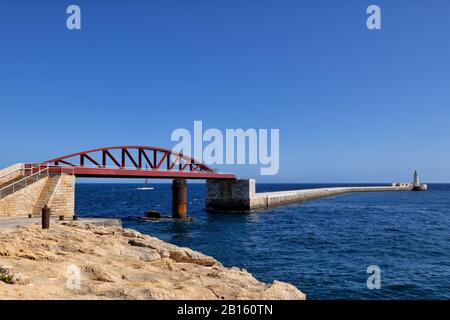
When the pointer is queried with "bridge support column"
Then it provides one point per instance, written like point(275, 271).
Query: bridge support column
point(229, 195)
point(179, 193)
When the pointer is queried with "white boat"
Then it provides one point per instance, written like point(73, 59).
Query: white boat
point(146, 187)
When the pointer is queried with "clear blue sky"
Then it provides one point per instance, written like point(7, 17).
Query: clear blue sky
point(352, 105)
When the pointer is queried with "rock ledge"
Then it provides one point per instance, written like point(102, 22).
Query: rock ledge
point(117, 263)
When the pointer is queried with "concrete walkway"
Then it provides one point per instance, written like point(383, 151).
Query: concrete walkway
point(269, 199)
point(10, 224)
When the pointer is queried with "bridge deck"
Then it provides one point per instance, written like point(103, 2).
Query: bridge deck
point(156, 174)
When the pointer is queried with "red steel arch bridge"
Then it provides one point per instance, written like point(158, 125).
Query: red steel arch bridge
point(131, 162)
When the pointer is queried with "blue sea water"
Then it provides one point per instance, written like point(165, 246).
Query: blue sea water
point(323, 247)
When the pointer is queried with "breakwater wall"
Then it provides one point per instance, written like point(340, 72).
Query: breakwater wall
point(241, 195)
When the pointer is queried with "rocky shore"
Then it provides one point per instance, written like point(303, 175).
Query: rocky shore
point(73, 260)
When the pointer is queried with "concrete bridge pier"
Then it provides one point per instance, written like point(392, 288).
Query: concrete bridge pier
point(179, 195)
point(230, 195)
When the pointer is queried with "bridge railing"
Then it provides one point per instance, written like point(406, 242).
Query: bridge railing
point(33, 173)
point(52, 169)
point(24, 182)
point(21, 170)
point(68, 169)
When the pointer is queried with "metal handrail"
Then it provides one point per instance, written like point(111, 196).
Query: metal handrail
point(11, 172)
point(93, 166)
point(37, 174)
point(72, 168)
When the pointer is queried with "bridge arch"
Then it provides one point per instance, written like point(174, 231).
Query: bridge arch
point(135, 162)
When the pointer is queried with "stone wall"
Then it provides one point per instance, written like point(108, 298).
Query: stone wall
point(58, 192)
point(62, 200)
point(22, 202)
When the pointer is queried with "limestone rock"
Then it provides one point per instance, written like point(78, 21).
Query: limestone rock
point(73, 260)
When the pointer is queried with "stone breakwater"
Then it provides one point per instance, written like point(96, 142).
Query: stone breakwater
point(117, 263)
point(241, 195)
point(269, 199)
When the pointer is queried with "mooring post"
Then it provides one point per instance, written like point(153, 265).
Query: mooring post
point(46, 217)
point(179, 191)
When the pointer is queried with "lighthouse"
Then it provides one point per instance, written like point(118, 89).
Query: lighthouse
point(416, 183)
